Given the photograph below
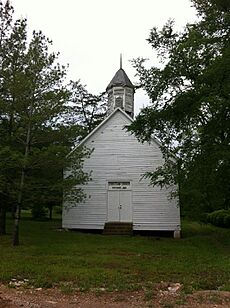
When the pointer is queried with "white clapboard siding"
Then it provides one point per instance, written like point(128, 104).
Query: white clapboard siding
point(118, 156)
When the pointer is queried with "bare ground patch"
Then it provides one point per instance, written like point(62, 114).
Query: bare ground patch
point(155, 297)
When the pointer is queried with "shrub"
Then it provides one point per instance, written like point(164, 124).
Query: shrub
point(227, 220)
point(39, 212)
point(220, 218)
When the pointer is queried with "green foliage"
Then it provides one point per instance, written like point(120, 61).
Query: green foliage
point(37, 126)
point(86, 109)
point(220, 218)
point(75, 177)
point(38, 212)
point(189, 110)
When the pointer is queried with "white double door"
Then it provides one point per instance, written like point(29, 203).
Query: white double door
point(120, 205)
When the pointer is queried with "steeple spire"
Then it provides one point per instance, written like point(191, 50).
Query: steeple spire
point(120, 92)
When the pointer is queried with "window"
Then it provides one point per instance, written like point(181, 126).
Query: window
point(118, 185)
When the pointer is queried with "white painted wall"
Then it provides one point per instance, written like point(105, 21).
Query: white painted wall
point(119, 156)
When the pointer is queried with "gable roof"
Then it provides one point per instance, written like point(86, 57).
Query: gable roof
point(99, 126)
point(120, 79)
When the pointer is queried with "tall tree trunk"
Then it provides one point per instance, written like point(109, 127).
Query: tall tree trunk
point(179, 181)
point(2, 220)
point(21, 188)
point(18, 210)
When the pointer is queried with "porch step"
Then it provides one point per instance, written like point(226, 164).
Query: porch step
point(118, 228)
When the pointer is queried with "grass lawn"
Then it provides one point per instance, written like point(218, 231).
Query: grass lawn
point(48, 257)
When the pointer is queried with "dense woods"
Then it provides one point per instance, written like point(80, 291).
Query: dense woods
point(190, 107)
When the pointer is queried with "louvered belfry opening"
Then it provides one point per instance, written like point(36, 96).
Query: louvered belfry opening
point(120, 92)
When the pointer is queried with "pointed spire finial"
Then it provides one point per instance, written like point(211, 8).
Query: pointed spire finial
point(120, 60)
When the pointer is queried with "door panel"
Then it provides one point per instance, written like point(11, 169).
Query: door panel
point(113, 204)
point(125, 206)
point(120, 205)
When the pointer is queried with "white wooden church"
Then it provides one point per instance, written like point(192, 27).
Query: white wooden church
point(118, 195)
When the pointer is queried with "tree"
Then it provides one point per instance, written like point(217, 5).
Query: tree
point(45, 189)
point(190, 107)
point(86, 109)
point(10, 58)
point(35, 133)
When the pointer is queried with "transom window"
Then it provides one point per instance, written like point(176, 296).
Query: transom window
point(118, 185)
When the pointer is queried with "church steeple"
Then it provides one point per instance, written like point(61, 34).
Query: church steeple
point(120, 92)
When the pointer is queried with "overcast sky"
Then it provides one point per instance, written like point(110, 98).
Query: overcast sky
point(91, 34)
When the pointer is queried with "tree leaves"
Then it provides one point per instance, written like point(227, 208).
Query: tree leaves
point(190, 106)
point(35, 128)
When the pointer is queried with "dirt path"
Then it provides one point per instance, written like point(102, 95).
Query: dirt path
point(47, 298)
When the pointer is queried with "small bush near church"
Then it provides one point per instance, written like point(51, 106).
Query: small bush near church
point(220, 218)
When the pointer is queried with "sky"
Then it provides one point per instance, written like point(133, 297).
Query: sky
point(91, 34)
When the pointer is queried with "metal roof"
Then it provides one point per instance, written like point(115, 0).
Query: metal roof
point(120, 79)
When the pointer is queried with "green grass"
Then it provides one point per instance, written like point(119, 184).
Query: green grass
point(48, 257)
